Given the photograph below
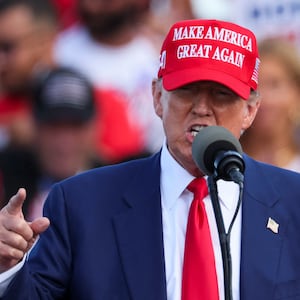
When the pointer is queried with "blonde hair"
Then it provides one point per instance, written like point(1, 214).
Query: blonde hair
point(285, 52)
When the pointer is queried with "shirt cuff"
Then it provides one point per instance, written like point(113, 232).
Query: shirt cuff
point(7, 276)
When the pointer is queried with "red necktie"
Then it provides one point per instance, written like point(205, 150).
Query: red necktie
point(199, 279)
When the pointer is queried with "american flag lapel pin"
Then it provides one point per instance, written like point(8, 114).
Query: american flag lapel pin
point(273, 225)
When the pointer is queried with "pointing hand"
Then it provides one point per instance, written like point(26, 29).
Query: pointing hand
point(16, 234)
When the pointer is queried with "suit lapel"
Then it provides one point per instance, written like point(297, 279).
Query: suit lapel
point(260, 246)
point(139, 234)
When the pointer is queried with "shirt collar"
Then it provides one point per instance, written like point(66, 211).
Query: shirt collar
point(228, 194)
point(175, 179)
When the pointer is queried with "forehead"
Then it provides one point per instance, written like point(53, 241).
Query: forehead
point(16, 20)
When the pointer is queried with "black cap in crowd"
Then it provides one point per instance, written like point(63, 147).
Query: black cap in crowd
point(63, 95)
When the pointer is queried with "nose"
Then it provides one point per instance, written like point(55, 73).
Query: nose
point(201, 103)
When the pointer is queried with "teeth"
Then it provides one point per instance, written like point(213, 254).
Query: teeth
point(195, 129)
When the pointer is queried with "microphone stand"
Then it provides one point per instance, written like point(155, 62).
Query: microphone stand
point(223, 236)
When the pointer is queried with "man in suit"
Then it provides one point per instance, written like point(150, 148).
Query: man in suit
point(118, 232)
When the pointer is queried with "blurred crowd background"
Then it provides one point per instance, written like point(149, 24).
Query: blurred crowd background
point(75, 84)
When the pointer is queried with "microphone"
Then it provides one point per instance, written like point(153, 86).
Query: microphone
point(217, 151)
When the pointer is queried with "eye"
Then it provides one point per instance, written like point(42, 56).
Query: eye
point(187, 87)
point(223, 93)
point(7, 47)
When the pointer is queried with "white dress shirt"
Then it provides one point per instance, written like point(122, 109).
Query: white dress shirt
point(8, 276)
point(176, 200)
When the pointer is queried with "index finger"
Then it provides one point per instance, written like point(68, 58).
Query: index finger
point(14, 206)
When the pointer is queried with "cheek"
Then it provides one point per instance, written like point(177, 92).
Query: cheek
point(167, 116)
point(234, 119)
point(174, 114)
point(22, 64)
point(229, 114)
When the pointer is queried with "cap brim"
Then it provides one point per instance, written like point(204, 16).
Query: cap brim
point(66, 115)
point(177, 79)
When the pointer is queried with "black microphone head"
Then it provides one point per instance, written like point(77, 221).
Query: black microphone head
point(208, 142)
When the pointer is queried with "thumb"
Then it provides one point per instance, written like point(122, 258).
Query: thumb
point(39, 225)
point(14, 206)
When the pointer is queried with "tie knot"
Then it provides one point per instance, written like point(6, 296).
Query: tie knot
point(198, 186)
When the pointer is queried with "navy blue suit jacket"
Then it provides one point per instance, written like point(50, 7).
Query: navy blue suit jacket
point(105, 241)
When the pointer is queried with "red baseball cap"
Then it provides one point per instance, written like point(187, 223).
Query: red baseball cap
point(196, 50)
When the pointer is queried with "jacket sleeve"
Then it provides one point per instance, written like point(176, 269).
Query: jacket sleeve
point(44, 275)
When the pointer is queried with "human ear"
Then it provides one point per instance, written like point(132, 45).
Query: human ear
point(251, 109)
point(157, 97)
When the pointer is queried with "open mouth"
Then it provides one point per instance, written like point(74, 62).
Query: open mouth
point(195, 129)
